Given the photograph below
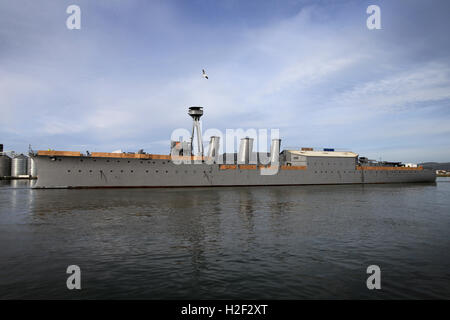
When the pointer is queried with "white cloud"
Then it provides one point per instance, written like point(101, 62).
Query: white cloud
point(423, 83)
point(394, 93)
point(303, 74)
point(314, 76)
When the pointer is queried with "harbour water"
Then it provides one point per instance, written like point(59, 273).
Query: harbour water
point(302, 242)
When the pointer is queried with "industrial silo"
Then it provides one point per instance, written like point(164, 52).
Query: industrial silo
point(32, 171)
point(19, 165)
point(5, 166)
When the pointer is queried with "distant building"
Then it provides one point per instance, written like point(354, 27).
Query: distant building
point(442, 173)
point(411, 165)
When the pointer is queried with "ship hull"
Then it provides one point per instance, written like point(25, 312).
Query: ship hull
point(100, 172)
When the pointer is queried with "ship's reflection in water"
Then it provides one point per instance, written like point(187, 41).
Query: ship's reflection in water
point(253, 243)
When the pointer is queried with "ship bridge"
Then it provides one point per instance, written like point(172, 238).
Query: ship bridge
point(325, 160)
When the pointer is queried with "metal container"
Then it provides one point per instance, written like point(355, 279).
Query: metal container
point(245, 150)
point(213, 150)
point(19, 165)
point(5, 166)
point(275, 151)
point(32, 170)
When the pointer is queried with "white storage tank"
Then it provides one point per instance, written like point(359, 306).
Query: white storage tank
point(19, 166)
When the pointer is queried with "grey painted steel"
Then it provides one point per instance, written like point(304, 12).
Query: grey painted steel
point(19, 165)
point(5, 166)
point(300, 168)
point(64, 172)
point(245, 150)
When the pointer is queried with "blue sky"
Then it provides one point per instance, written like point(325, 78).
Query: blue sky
point(309, 68)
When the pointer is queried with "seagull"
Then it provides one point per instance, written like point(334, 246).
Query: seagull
point(204, 75)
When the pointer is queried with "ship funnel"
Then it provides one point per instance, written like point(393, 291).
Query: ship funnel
point(275, 151)
point(196, 113)
point(213, 151)
point(245, 150)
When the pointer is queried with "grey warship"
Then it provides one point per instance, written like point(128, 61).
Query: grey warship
point(181, 168)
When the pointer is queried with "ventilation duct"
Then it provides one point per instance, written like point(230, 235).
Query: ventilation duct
point(213, 151)
point(275, 151)
point(245, 150)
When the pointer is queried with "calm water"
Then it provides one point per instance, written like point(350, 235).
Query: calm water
point(226, 243)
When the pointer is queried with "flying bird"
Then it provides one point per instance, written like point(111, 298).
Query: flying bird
point(204, 75)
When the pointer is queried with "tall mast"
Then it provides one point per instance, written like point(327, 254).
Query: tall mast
point(196, 113)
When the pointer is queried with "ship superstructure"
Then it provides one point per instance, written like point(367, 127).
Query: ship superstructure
point(182, 168)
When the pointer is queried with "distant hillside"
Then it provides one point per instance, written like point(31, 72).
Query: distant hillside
point(436, 165)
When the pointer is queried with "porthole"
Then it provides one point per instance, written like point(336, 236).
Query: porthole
point(79, 170)
point(68, 170)
point(146, 171)
point(167, 171)
point(132, 171)
point(110, 171)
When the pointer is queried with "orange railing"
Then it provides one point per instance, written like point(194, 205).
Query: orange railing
point(227, 167)
point(59, 153)
point(293, 167)
point(380, 168)
point(247, 166)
